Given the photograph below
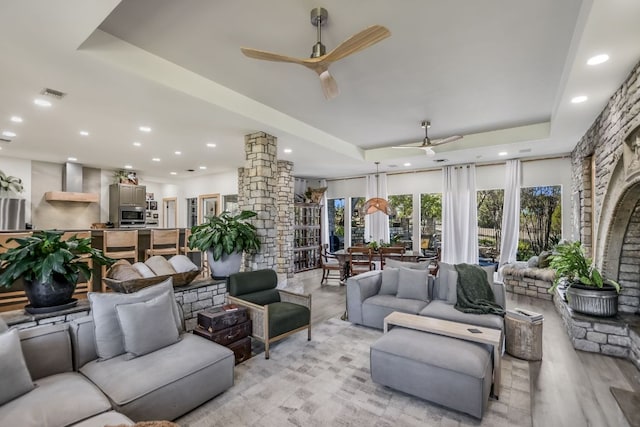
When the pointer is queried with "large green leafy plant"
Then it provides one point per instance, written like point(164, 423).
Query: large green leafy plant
point(570, 263)
point(44, 255)
point(225, 234)
point(10, 183)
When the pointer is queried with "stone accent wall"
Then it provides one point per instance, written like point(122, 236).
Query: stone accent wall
point(527, 286)
point(629, 273)
point(286, 218)
point(634, 350)
point(605, 336)
point(257, 192)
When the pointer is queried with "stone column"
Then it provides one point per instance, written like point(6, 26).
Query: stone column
point(285, 217)
point(257, 191)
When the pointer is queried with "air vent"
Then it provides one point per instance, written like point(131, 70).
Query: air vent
point(53, 93)
point(525, 150)
point(4, 140)
point(191, 170)
point(441, 160)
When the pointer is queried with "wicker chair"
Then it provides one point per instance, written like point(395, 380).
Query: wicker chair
point(275, 313)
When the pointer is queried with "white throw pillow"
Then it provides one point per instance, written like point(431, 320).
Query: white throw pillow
point(15, 379)
point(147, 326)
point(108, 334)
point(182, 264)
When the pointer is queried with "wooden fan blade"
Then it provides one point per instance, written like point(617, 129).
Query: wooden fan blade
point(419, 147)
point(329, 85)
point(270, 56)
point(446, 140)
point(358, 42)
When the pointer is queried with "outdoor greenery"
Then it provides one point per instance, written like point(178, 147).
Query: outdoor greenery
point(44, 256)
point(10, 183)
point(540, 218)
point(570, 263)
point(225, 234)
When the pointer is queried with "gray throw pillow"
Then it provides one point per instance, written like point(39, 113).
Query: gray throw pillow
point(443, 284)
point(389, 284)
point(109, 342)
point(182, 264)
point(489, 269)
point(412, 284)
point(452, 286)
point(15, 379)
point(160, 265)
point(147, 326)
point(404, 264)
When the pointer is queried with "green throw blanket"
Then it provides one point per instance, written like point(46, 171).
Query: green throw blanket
point(474, 291)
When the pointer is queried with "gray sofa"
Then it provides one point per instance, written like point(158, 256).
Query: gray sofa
point(369, 301)
point(74, 386)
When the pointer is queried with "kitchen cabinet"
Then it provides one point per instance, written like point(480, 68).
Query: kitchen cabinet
point(128, 195)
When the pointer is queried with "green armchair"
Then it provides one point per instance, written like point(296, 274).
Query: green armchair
point(275, 313)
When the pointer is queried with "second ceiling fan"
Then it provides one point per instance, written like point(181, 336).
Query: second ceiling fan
point(428, 143)
point(320, 60)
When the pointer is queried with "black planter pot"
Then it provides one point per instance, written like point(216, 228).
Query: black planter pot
point(43, 296)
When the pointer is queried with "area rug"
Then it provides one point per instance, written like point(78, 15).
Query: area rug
point(326, 382)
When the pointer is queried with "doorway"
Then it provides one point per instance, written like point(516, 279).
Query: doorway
point(170, 210)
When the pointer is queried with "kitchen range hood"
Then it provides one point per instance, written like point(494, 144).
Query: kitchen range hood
point(71, 187)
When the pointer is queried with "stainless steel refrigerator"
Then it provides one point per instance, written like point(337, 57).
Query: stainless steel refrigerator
point(12, 212)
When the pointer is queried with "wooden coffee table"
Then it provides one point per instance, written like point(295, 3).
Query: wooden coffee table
point(454, 330)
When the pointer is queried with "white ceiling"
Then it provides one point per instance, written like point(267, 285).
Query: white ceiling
point(500, 72)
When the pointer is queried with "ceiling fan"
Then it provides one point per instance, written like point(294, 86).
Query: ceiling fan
point(428, 143)
point(319, 60)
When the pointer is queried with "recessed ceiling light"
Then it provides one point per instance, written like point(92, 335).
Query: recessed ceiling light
point(598, 59)
point(407, 164)
point(84, 133)
point(16, 119)
point(137, 144)
point(72, 159)
point(128, 167)
point(211, 145)
point(156, 159)
point(144, 129)
point(42, 102)
point(8, 133)
point(203, 167)
point(173, 173)
point(579, 99)
point(288, 150)
point(177, 153)
point(502, 153)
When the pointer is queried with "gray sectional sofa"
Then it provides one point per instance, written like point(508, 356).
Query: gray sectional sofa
point(373, 295)
point(73, 386)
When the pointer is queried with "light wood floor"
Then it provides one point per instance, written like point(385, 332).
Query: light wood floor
point(568, 387)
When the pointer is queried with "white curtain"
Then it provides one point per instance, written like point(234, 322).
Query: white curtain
point(510, 213)
point(325, 215)
point(376, 225)
point(459, 215)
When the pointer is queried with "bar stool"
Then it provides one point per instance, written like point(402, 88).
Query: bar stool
point(10, 299)
point(186, 250)
point(81, 287)
point(119, 245)
point(163, 242)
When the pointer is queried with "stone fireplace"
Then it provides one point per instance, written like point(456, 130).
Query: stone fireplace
point(606, 218)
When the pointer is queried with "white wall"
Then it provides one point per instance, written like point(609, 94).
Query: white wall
point(534, 173)
point(223, 183)
point(21, 169)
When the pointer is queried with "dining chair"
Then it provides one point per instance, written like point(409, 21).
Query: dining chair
point(396, 252)
point(329, 263)
point(360, 259)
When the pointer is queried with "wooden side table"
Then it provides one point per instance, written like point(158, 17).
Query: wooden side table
point(524, 338)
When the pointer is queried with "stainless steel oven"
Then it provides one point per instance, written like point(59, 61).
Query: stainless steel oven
point(132, 216)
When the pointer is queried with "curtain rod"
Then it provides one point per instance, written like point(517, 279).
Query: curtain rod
point(530, 159)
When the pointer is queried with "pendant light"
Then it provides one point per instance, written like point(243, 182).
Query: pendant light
point(377, 204)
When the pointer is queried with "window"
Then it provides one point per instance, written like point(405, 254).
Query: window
point(401, 225)
point(336, 224)
point(490, 203)
point(430, 223)
point(540, 220)
point(357, 221)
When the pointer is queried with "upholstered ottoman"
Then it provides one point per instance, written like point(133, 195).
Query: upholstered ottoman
point(448, 371)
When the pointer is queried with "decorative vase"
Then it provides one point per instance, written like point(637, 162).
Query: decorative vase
point(48, 297)
point(225, 266)
point(600, 302)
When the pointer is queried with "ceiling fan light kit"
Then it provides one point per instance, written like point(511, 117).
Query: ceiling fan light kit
point(320, 60)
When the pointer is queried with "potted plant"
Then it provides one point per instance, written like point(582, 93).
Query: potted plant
point(224, 238)
point(10, 184)
point(49, 267)
point(587, 291)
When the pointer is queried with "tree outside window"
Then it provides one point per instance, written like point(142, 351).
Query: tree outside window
point(490, 203)
point(430, 223)
point(540, 220)
point(336, 224)
point(357, 221)
point(401, 225)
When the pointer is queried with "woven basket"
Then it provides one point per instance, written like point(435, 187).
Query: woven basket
point(130, 286)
